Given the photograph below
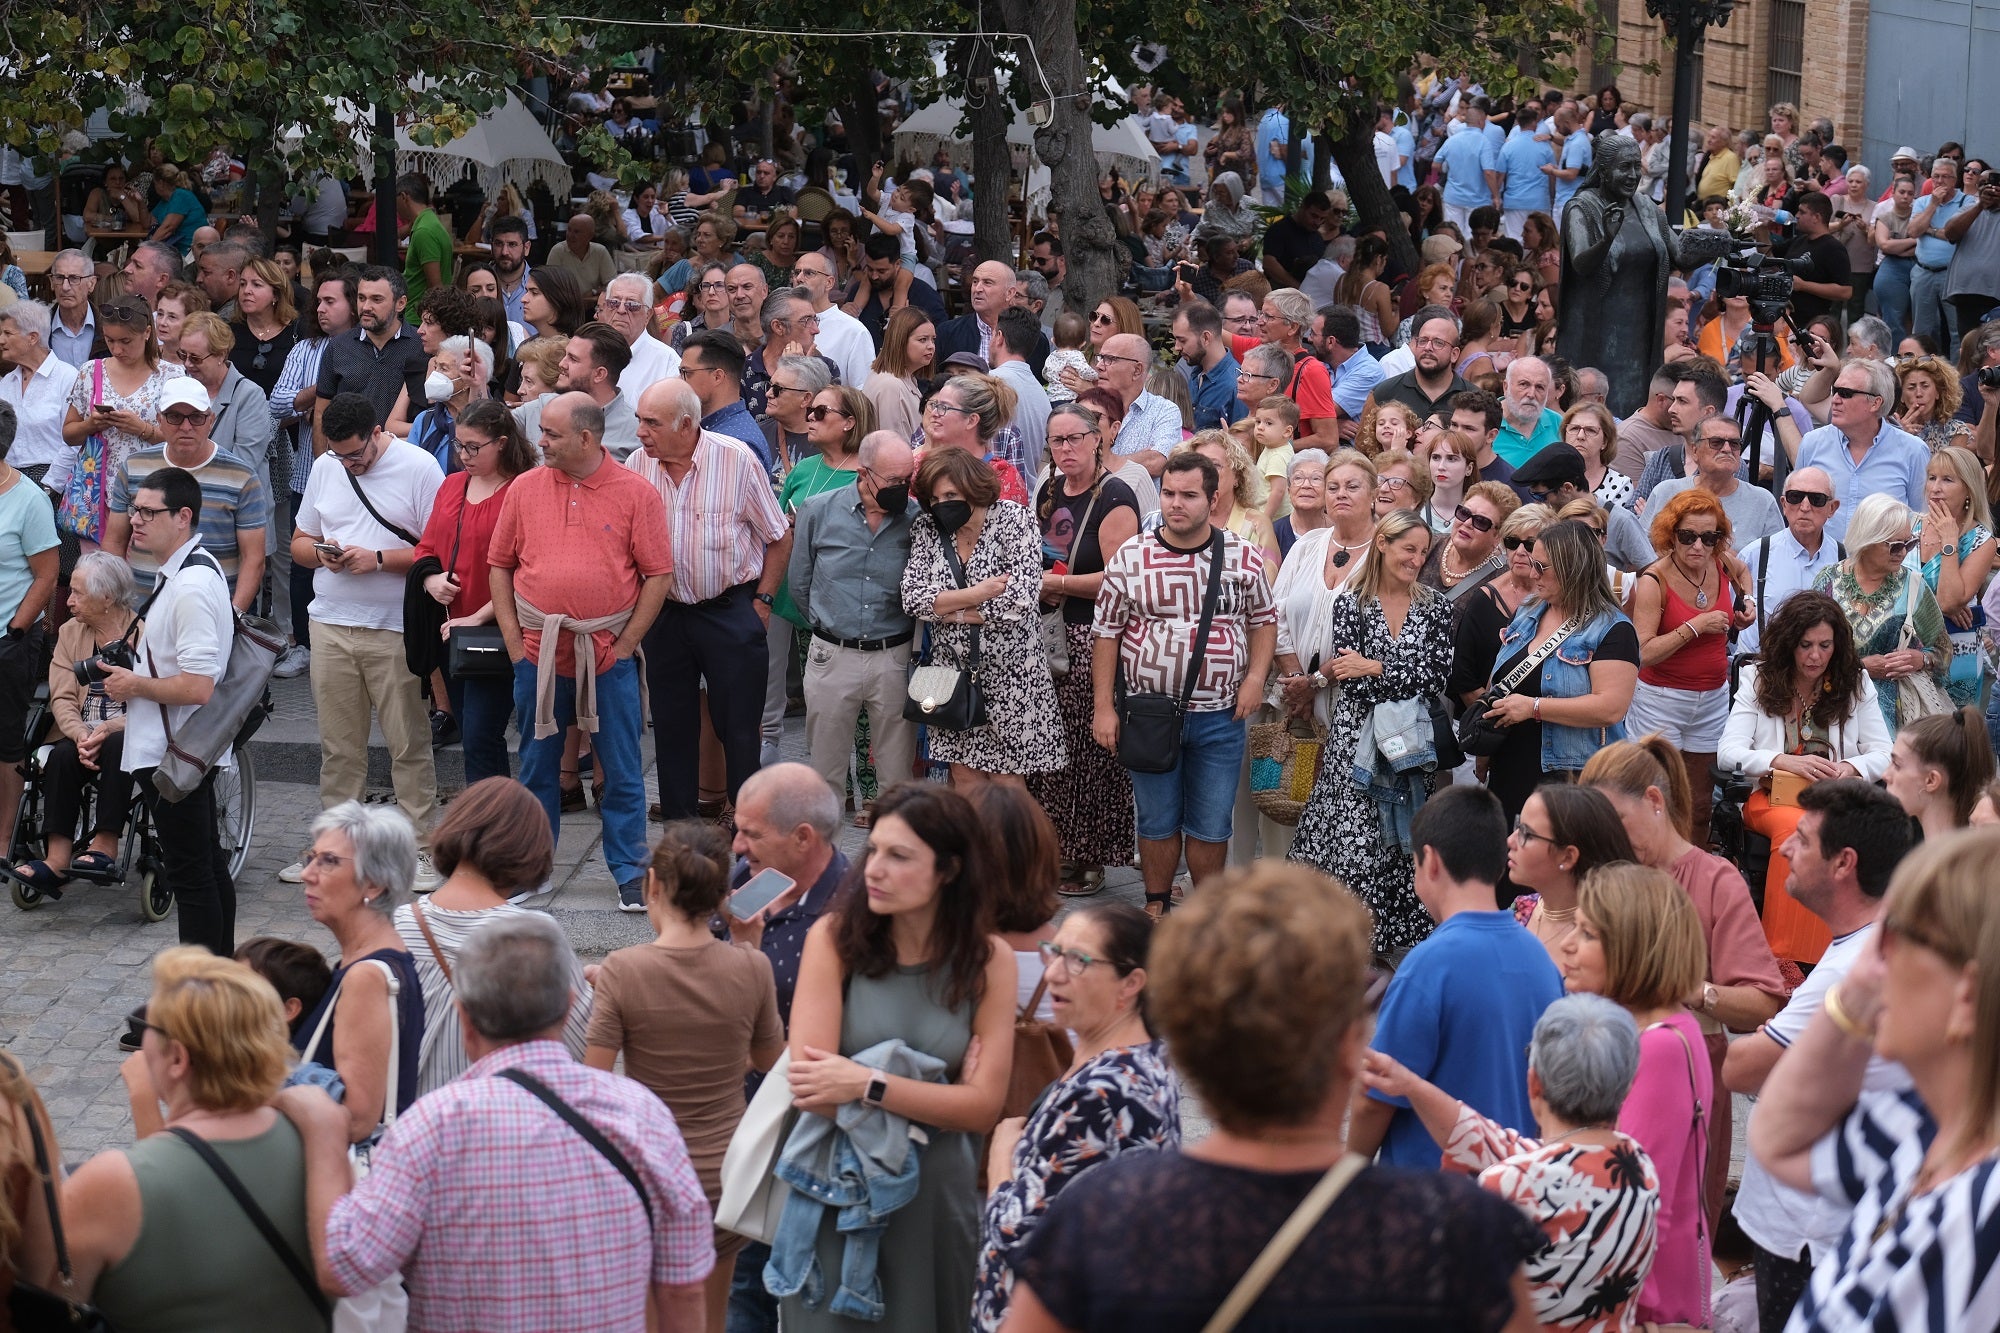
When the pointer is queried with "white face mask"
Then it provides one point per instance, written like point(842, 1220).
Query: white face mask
point(437, 387)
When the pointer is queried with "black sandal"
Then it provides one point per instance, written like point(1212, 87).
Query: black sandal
point(1159, 904)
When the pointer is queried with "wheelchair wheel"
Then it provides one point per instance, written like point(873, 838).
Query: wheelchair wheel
point(26, 896)
point(236, 810)
point(156, 896)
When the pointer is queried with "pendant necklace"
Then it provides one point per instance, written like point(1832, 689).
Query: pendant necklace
point(1340, 557)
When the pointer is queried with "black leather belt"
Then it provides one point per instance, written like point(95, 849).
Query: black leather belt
point(867, 645)
point(1932, 268)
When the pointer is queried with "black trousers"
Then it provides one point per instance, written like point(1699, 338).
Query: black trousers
point(722, 642)
point(1780, 1283)
point(64, 777)
point(197, 866)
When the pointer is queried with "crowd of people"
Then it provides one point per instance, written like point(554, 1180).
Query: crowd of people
point(1420, 684)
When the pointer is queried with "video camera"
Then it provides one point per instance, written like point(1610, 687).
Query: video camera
point(1760, 279)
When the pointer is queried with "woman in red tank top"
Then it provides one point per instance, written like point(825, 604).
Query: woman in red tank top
point(1683, 607)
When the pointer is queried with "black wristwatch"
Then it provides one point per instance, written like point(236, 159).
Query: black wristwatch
point(767, 599)
point(878, 1088)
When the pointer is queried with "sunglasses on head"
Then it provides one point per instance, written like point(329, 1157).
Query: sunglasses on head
point(1817, 499)
point(1478, 522)
point(1518, 543)
point(1688, 537)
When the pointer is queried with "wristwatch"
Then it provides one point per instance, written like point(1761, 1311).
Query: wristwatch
point(767, 599)
point(878, 1088)
point(1708, 998)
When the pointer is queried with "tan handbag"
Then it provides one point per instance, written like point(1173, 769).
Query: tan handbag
point(1042, 1054)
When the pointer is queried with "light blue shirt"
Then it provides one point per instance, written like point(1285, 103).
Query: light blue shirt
point(1894, 465)
point(1275, 124)
point(1521, 162)
point(1406, 145)
point(1576, 153)
point(1515, 449)
point(1789, 569)
point(1936, 251)
point(1353, 380)
point(27, 527)
point(75, 348)
point(1466, 158)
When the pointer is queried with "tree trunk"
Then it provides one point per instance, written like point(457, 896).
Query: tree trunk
point(1064, 145)
point(992, 159)
point(383, 251)
point(1322, 159)
point(1354, 154)
point(864, 126)
point(1295, 150)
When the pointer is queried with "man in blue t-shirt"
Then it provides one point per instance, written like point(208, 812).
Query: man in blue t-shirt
point(1525, 187)
point(1471, 161)
point(1463, 1006)
point(1576, 157)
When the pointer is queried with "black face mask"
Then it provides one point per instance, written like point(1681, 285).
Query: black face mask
point(951, 515)
point(893, 498)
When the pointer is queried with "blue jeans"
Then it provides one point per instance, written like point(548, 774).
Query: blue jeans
point(751, 1308)
point(1197, 798)
point(620, 727)
point(1930, 312)
point(1892, 295)
point(482, 705)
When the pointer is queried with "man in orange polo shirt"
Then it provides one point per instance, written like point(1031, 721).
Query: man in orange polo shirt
point(586, 540)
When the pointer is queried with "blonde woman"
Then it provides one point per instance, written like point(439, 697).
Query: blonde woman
point(1387, 649)
point(1955, 548)
point(1401, 482)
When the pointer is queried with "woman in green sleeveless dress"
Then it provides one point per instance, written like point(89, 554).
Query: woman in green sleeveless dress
point(906, 952)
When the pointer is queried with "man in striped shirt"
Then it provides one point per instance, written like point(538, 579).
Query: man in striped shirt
point(730, 543)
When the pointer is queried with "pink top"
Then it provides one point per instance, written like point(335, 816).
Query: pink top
point(1738, 953)
point(1667, 1112)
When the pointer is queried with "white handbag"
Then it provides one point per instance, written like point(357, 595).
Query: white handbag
point(753, 1197)
point(384, 1308)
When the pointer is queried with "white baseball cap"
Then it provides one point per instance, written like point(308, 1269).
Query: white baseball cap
point(184, 391)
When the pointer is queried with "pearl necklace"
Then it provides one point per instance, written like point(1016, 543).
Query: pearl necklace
point(1341, 557)
point(1445, 572)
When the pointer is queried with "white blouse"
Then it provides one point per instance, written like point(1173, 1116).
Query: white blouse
point(1753, 738)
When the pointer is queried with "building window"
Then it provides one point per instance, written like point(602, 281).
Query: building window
point(1788, 52)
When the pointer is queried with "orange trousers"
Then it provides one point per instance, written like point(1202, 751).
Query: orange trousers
point(1793, 932)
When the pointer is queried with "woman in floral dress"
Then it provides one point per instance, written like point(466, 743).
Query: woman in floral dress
point(118, 397)
point(1879, 594)
point(1000, 550)
point(1390, 641)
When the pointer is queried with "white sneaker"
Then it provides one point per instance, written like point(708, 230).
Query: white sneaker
point(427, 876)
point(295, 873)
point(294, 661)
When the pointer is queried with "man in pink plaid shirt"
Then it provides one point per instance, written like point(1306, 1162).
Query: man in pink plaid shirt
point(500, 1215)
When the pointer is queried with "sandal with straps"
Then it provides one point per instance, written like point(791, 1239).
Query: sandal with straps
point(1159, 904)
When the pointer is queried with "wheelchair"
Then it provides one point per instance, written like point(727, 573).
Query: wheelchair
point(1729, 837)
point(140, 864)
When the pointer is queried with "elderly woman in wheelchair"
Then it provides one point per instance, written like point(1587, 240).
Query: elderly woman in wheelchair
point(91, 730)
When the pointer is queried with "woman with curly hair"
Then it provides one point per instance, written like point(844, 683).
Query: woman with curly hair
point(1805, 712)
point(1928, 395)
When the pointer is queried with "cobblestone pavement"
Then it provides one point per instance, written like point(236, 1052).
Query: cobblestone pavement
point(70, 970)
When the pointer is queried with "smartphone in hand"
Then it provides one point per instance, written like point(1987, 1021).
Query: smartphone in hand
point(758, 892)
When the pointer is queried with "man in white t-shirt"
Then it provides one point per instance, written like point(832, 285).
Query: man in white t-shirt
point(364, 508)
point(1849, 839)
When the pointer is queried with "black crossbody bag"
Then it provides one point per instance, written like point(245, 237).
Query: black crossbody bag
point(1150, 722)
point(33, 1309)
point(474, 651)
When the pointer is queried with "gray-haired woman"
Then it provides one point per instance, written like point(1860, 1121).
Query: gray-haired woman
point(1592, 1189)
point(92, 724)
point(362, 857)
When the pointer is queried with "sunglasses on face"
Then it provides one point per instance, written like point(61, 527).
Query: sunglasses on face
point(1539, 567)
point(1728, 444)
point(1898, 549)
point(1817, 499)
point(1687, 537)
point(1478, 522)
point(183, 418)
point(628, 306)
point(1518, 543)
point(821, 413)
point(1843, 392)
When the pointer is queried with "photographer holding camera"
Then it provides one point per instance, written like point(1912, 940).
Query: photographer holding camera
point(189, 633)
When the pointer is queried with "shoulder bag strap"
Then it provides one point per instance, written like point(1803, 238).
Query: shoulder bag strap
point(952, 563)
point(1266, 1265)
point(374, 513)
point(1217, 549)
point(590, 1132)
point(417, 911)
point(47, 1173)
point(1536, 658)
point(1035, 1000)
point(1763, 567)
point(258, 1218)
point(391, 1090)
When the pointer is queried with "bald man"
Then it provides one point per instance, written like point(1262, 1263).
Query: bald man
point(1152, 428)
point(1791, 558)
point(588, 262)
point(989, 292)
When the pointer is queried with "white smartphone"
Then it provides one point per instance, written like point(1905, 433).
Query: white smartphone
point(758, 892)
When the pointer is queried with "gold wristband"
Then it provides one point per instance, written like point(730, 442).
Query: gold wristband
point(1842, 1019)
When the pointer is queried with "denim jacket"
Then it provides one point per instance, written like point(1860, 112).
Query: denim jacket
point(863, 1163)
point(1393, 751)
point(1565, 675)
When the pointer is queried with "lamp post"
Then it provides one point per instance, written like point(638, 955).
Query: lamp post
point(1684, 21)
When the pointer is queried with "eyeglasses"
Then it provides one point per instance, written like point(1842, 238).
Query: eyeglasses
point(1393, 484)
point(1065, 441)
point(470, 448)
point(713, 287)
point(1729, 444)
point(1526, 834)
point(1074, 961)
point(1898, 549)
point(940, 405)
point(144, 513)
point(1688, 537)
point(1433, 342)
point(1518, 543)
point(65, 279)
point(628, 306)
point(1250, 375)
point(822, 412)
point(308, 859)
point(1477, 522)
point(183, 418)
point(881, 480)
point(1842, 391)
point(801, 273)
point(1817, 499)
point(1103, 357)
point(352, 456)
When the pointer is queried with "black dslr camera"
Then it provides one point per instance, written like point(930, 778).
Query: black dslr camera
point(91, 670)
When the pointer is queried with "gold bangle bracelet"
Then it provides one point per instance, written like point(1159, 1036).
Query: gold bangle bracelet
point(1842, 1019)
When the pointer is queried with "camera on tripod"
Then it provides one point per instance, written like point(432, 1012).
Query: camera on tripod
point(1762, 280)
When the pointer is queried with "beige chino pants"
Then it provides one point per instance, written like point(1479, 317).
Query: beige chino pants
point(359, 674)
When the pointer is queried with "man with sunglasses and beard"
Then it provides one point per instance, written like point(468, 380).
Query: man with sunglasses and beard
point(1860, 449)
point(1791, 558)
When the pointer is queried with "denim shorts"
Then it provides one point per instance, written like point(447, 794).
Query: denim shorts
point(1691, 720)
point(1199, 796)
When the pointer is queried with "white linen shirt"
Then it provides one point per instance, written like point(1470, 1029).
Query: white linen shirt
point(190, 630)
point(40, 399)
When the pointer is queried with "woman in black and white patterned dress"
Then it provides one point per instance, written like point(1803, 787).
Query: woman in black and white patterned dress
point(1000, 549)
point(1390, 640)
